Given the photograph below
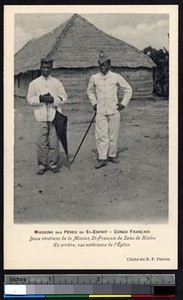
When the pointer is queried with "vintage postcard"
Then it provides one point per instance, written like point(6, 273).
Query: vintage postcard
point(91, 137)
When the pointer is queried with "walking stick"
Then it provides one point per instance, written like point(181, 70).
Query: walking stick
point(83, 139)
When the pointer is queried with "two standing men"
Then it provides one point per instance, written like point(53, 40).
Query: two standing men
point(47, 94)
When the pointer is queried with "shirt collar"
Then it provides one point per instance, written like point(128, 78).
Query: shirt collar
point(49, 77)
point(108, 73)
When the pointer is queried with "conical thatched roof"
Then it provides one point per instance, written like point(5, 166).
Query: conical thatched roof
point(76, 44)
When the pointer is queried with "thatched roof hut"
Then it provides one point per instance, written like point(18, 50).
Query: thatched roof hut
point(74, 46)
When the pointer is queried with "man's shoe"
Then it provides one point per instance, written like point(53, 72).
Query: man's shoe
point(41, 171)
point(55, 170)
point(101, 163)
point(113, 160)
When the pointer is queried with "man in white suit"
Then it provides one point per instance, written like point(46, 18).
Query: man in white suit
point(102, 92)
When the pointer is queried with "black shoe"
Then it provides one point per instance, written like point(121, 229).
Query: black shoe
point(101, 163)
point(113, 160)
point(41, 171)
point(55, 170)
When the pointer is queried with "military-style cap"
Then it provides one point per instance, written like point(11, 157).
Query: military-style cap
point(46, 60)
point(103, 57)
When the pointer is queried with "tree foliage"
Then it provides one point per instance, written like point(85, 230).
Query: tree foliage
point(161, 71)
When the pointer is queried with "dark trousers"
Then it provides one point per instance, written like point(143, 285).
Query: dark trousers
point(47, 144)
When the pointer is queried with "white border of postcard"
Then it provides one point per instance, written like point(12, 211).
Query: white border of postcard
point(19, 253)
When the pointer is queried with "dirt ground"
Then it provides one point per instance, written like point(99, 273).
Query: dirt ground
point(133, 191)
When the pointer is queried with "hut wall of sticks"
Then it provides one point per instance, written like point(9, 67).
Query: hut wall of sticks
point(74, 47)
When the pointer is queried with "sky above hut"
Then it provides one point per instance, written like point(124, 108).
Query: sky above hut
point(139, 30)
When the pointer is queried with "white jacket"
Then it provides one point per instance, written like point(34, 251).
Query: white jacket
point(41, 86)
point(102, 90)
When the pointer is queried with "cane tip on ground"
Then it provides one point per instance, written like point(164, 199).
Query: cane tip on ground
point(144, 172)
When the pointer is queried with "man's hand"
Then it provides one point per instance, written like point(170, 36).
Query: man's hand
point(120, 106)
point(46, 98)
point(95, 107)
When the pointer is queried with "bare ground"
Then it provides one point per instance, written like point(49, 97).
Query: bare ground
point(133, 191)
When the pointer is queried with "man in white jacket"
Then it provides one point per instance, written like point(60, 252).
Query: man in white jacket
point(102, 92)
point(46, 94)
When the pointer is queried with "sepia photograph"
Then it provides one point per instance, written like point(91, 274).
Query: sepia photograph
point(91, 108)
point(110, 71)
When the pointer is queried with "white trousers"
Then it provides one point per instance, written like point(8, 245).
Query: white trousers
point(106, 134)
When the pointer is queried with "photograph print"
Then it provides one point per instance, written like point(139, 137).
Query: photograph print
point(91, 105)
point(91, 109)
